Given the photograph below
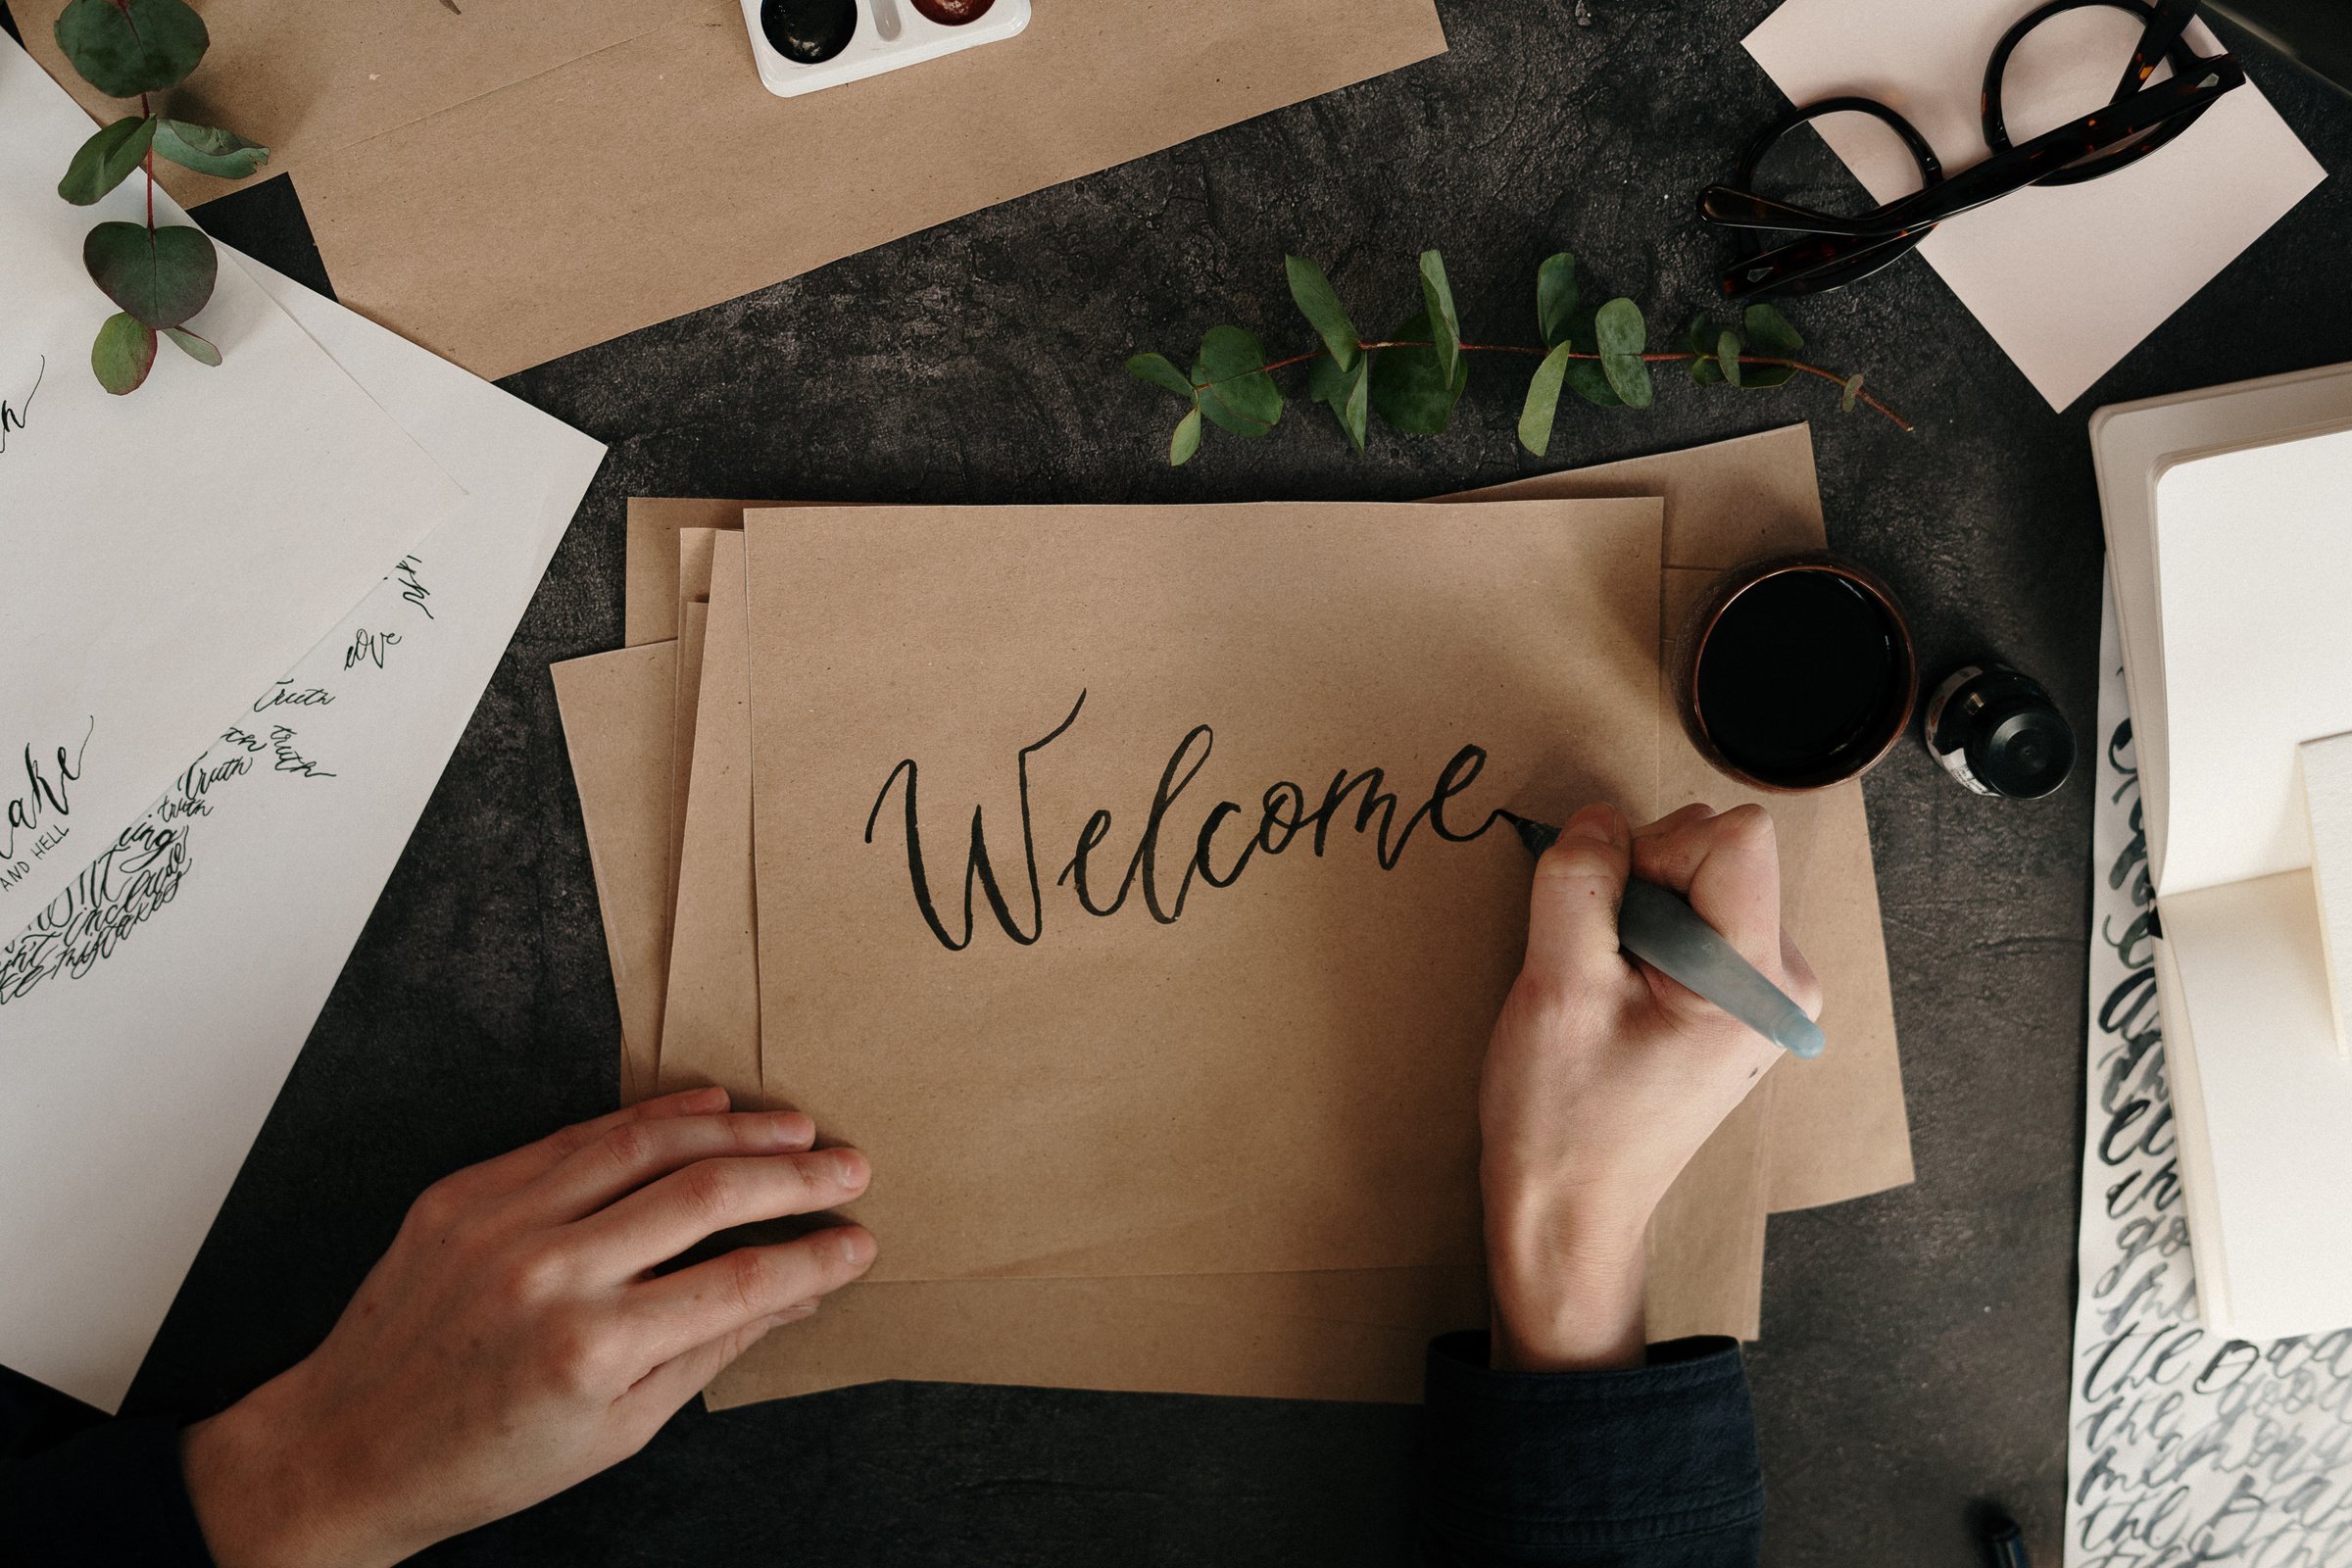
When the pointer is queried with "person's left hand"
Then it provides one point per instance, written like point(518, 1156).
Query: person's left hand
point(514, 1339)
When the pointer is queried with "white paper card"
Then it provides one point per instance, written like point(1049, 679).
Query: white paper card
point(148, 1019)
point(169, 553)
point(2067, 281)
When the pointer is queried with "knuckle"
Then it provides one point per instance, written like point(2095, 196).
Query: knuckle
point(710, 1191)
point(437, 1207)
point(575, 1359)
point(534, 1278)
point(630, 1147)
point(749, 1280)
point(1576, 861)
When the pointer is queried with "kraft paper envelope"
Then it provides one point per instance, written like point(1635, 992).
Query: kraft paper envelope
point(617, 726)
point(1834, 1128)
point(713, 1004)
point(1041, 1073)
point(435, 145)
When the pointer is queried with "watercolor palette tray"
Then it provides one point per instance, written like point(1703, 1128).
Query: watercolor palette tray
point(802, 45)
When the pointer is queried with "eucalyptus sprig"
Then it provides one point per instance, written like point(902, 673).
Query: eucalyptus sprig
point(1413, 378)
point(161, 277)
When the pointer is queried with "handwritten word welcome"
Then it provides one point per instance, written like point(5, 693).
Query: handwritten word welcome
point(1282, 816)
point(12, 417)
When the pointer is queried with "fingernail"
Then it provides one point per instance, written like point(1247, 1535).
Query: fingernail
point(1601, 823)
point(699, 1099)
point(791, 1314)
point(795, 1129)
point(857, 1246)
point(849, 1167)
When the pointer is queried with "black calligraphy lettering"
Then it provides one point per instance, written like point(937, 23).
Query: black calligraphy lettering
point(1283, 815)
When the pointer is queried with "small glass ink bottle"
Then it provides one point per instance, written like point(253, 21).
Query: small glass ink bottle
point(1996, 731)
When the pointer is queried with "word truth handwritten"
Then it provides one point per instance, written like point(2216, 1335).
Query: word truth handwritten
point(1283, 814)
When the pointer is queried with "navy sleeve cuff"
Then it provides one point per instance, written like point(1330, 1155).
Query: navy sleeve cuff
point(1653, 1465)
point(112, 1494)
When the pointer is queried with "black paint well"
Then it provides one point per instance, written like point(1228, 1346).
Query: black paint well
point(808, 32)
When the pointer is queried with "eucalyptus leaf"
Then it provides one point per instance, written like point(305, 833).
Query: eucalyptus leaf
point(1321, 305)
point(161, 276)
point(1236, 392)
point(201, 349)
point(1589, 381)
point(1584, 377)
point(1543, 401)
point(1623, 335)
point(1727, 356)
point(1155, 368)
point(124, 353)
point(1410, 390)
point(1185, 441)
point(1852, 393)
point(1555, 298)
point(127, 47)
point(1355, 412)
point(1769, 333)
point(1445, 325)
point(1703, 338)
point(107, 159)
point(1326, 382)
point(209, 150)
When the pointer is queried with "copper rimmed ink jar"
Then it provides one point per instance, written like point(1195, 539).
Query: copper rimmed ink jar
point(1796, 673)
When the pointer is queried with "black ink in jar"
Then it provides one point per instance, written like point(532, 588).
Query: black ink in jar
point(808, 32)
point(1996, 731)
point(1796, 673)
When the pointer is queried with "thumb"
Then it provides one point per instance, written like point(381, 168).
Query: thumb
point(1572, 913)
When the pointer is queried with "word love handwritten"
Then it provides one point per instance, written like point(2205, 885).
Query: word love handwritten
point(1282, 816)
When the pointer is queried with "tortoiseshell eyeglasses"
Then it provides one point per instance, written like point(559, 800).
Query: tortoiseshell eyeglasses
point(1834, 251)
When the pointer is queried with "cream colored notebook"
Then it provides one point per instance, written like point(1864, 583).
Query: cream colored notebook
point(2231, 547)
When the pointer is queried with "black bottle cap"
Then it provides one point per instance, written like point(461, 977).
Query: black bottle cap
point(2023, 748)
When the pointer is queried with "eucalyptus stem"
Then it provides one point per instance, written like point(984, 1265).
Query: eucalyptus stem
point(1799, 366)
point(1413, 377)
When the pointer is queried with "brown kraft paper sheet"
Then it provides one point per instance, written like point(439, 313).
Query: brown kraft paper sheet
point(714, 1002)
point(1834, 1128)
point(431, 144)
point(617, 727)
point(1040, 1074)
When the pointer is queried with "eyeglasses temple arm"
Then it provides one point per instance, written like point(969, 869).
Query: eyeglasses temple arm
point(2166, 23)
point(1730, 208)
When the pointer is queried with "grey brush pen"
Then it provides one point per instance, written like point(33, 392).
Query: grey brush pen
point(1655, 925)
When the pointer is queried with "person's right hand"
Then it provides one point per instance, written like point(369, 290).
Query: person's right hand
point(1604, 1076)
point(514, 1339)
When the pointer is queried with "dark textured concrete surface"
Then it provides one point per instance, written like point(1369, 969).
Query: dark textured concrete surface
point(1915, 1345)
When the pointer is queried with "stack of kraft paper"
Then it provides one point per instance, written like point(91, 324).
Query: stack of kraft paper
point(1118, 879)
